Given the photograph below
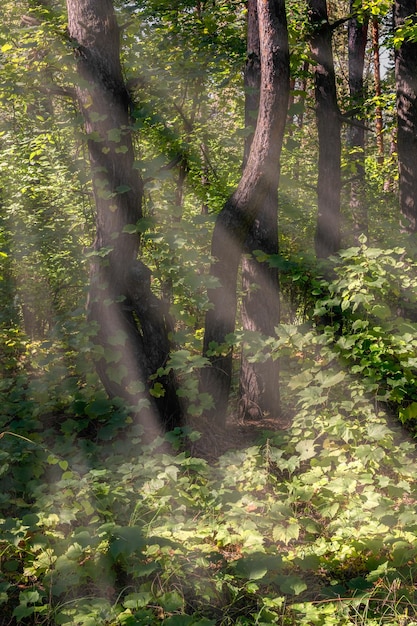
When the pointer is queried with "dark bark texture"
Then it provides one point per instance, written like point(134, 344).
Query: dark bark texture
point(235, 220)
point(132, 325)
point(379, 124)
point(357, 38)
point(406, 84)
point(327, 236)
point(259, 382)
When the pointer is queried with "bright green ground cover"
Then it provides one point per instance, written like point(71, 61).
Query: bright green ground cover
point(312, 525)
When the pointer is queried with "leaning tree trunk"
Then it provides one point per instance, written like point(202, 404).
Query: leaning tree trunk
point(406, 83)
point(259, 381)
point(259, 179)
point(357, 38)
point(327, 236)
point(132, 327)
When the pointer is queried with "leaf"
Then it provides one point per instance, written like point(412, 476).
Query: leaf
point(22, 611)
point(123, 189)
point(360, 584)
point(257, 565)
point(378, 431)
point(157, 391)
point(332, 381)
point(137, 600)
point(292, 585)
point(306, 449)
point(301, 380)
point(130, 229)
point(329, 510)
point(114, 135)
point(118, 338)
point(381, 311)
point(171, 601)
point(286, 533)
point(126, 541)
point(98, 407)
point(310, 562)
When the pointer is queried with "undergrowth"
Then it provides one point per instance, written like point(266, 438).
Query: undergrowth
point(315, 524)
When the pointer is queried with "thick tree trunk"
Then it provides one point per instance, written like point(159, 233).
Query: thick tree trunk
point(327, 237)
point(258, 182)
point(259, 381)
point(132, 328)
point(406, 83)
point(357, 38)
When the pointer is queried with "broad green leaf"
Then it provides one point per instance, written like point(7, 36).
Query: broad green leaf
point(171, 601)
point(257, 565)
point(137, 600)
point(332, 381)
point(306, 449)
point(286, 533)
point(292, 585)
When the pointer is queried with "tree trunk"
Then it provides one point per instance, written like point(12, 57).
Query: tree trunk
point(132, 327)
point(379, 124)
point(327, 236)
point(357, 37)
point(259, 382)
point(406, 84)
point(259, 181)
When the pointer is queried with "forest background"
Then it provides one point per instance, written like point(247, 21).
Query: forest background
point(208, 328)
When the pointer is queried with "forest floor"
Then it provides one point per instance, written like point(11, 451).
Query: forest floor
point(236, 435)
point(242, 433)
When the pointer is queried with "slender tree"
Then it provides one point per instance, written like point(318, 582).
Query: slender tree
point(357, 38)
point(327, 237)
point(406, 86)
point(379, 123)
point(132, 326)
point(258, 182)
point(259, 381)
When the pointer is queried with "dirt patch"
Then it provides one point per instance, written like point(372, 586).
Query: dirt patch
point(236, 434)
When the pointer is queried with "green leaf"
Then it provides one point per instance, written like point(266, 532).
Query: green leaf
point(257, 565)
point(291, 585)
point(126, 541)
point(332, 381)
point(171, 601)
point(98, 407)
point(137, 600)
point(123, 189)
point(286, 533)
point(22, 611)
point(114, 135)
point(306, 449)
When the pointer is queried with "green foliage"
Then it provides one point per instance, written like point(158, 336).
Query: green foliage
point(369, 315)
point(311, 525)
point(315, 524)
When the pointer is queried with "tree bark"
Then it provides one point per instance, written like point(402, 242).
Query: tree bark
point(379, 124)
point(132, 327)
point(357, 38)
point(327, 236)
point(406, 85)
point(259, 382)
point(258, 182)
